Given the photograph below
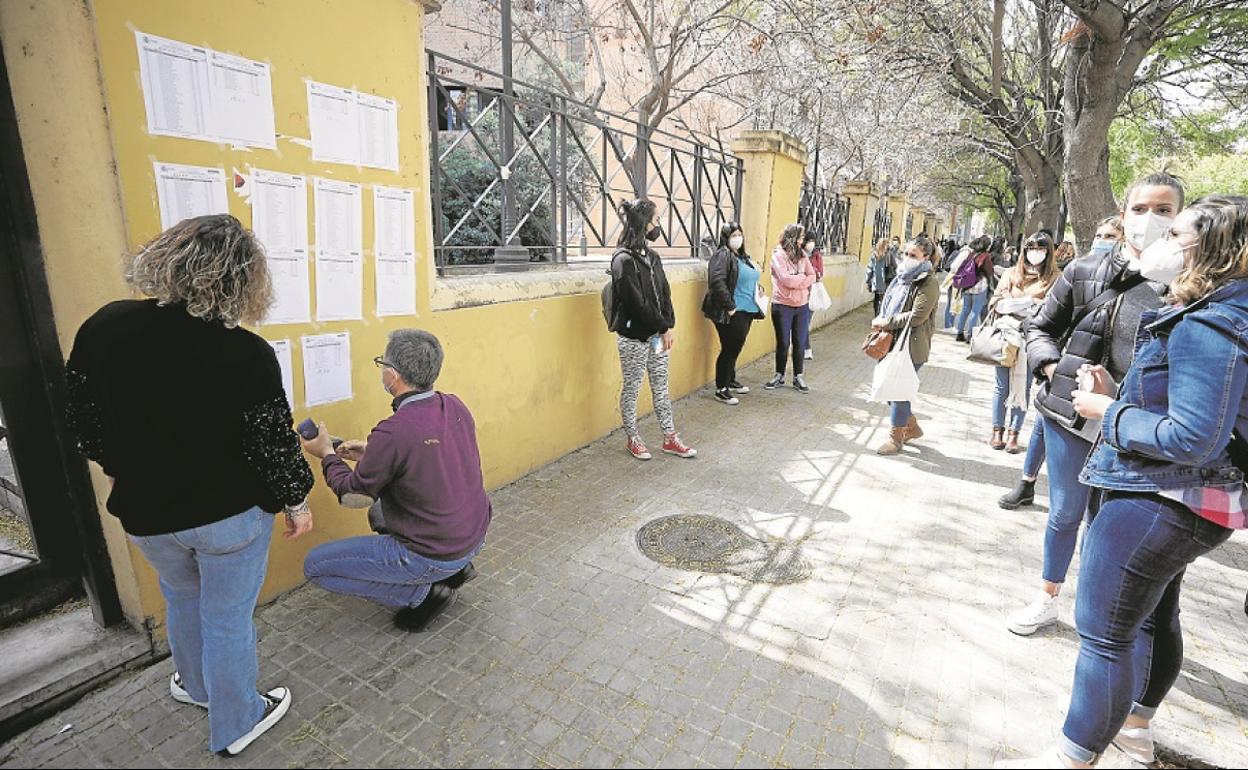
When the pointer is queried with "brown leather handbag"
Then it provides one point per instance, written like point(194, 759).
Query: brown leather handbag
point(878, 344)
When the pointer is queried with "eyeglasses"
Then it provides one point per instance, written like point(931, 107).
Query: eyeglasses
point(382, 363)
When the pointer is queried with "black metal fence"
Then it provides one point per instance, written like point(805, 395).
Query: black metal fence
point(554, 196)
point(826, 214)
point(883, 225)
point(909, 225)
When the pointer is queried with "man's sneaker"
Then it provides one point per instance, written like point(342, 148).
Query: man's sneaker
point(1023, 493)
point(276, 704)
point(418, 618)
point(180, 694)
point(1030, 619)
point(638, 449)
point(674, 446)
point(737, 387)
point(1137, 743)
point(775, 381)
point(725, 397)
point(810, 355)
point(466, 574)
point(800, 385)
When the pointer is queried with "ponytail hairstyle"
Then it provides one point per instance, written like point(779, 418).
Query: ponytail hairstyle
point(791, 240)
point(636, 215)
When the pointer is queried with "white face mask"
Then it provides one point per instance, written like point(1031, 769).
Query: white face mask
point(1036, 257)
point(736, 242)
point(1162, 261)
point(910, 263)
point(1143, 230)
point(810, 249)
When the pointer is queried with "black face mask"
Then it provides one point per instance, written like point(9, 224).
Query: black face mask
point(654, 233)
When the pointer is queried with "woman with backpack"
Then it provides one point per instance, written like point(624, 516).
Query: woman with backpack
point(731, 303)
point(972, 279)
point(792, 275)
point(1170, 466)
point(910, 303)
point(644, 321)
point(1089, 317)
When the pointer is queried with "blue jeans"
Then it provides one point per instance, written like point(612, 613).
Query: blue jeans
point(791, 325)
point(1035, 449)
point(1068, 499)
point(379, 568)
point(948, 306)
point(972, 308)
point(1001, 394)
point(899, 411)
point(211, 578)
point(1131, 643)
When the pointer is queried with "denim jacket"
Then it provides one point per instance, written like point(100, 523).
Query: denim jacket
point(1180, 401)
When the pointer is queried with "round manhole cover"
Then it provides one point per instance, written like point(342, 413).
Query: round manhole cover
point(710, 544)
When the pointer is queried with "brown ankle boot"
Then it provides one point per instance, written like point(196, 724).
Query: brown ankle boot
point(913, 431)
point(1012, 446)
point(998, 439)
point(896, 440)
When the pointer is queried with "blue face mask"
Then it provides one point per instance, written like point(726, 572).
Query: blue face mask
point(1103, 247)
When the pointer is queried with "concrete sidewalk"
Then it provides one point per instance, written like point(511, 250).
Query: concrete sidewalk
point(879, 642)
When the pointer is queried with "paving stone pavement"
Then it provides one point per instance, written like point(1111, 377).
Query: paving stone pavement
point(572, 649)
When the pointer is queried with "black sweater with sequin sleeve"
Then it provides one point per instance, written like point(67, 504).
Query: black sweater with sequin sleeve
point(187, 416)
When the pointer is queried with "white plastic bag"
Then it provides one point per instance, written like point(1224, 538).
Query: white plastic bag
point(894, 378)
point(761, 299)
point(819, 299)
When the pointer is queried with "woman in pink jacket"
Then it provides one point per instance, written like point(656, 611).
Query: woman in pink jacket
point(792, 275)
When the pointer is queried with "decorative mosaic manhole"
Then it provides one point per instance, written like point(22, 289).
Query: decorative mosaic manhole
point(710, 544)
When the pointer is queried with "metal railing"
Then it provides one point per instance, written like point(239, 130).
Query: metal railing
point(883, 225)
point(825, 214)
point(570, 168)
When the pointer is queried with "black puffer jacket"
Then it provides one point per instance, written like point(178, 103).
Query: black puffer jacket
point(721, 279)
point(1050, 338)
point(641, 294)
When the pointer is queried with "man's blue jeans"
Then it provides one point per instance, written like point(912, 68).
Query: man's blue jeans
point(973, 309)
point(1068, 499)
point(899, 411)
point(211, 577)
point(1131, 643)
point(1034, 458)
point(379, 568)
point(1000, 395)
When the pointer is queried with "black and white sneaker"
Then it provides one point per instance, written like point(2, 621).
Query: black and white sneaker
point(737, 387)
point(180, 694)
point(775, 381)
point(276, 704)
point(800, 385)
point(725, 397)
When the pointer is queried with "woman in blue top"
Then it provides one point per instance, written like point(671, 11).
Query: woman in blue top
point(732, 305)
point(1172, 492)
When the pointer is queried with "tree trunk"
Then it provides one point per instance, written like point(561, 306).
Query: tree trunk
point(1040, 206)
point(1090, 102)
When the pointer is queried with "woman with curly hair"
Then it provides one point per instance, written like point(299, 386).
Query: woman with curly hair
point(792, 275)
point(186, 414)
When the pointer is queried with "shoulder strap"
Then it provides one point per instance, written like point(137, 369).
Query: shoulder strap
point(1106, 296)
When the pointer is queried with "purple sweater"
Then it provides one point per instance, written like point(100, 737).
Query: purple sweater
point(423, 464)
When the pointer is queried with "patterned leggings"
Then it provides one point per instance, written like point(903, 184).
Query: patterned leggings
point(636, 359)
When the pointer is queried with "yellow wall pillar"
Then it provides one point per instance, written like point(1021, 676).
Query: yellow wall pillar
point(898, 206)
point(864, 204)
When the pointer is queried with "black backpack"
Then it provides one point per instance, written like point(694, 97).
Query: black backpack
point(610, 311)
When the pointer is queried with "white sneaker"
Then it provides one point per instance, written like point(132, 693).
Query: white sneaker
point(276, 704)
point(180, 694)
point(1137, 743)
point(1030, 619)
point(810, 355)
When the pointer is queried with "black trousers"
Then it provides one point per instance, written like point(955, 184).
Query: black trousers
point(731, 339)
point(876, 301)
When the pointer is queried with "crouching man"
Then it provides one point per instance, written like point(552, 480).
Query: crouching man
point(422, 467)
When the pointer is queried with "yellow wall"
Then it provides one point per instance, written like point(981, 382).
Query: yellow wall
point(541, 376)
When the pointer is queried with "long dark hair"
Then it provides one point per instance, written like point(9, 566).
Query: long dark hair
point(1047, 270)
point(636, 215)
point(725, 234)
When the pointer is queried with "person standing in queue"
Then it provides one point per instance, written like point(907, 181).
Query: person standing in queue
point(732, 305)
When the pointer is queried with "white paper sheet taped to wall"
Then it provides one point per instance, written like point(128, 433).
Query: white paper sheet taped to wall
point(279, 218)
point(195, 92)
point(183, 192)
point(339, 250)
point(354, 128)
point(281, 348)
point(394, 244)
point(326, 368)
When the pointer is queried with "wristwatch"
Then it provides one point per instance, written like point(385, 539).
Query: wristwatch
point(301, 509)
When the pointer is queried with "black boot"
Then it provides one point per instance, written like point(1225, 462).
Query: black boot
point(418, 618)
point(961, 337)
point(1023, 493)
point(459, 578)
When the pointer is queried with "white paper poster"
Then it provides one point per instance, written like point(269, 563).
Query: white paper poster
point(339, 250)
point(281, 348)
point(326, 368)
point(394, 243)
point(279, 217)
point(195, 92)
point(353, 128)
point(183, 192)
